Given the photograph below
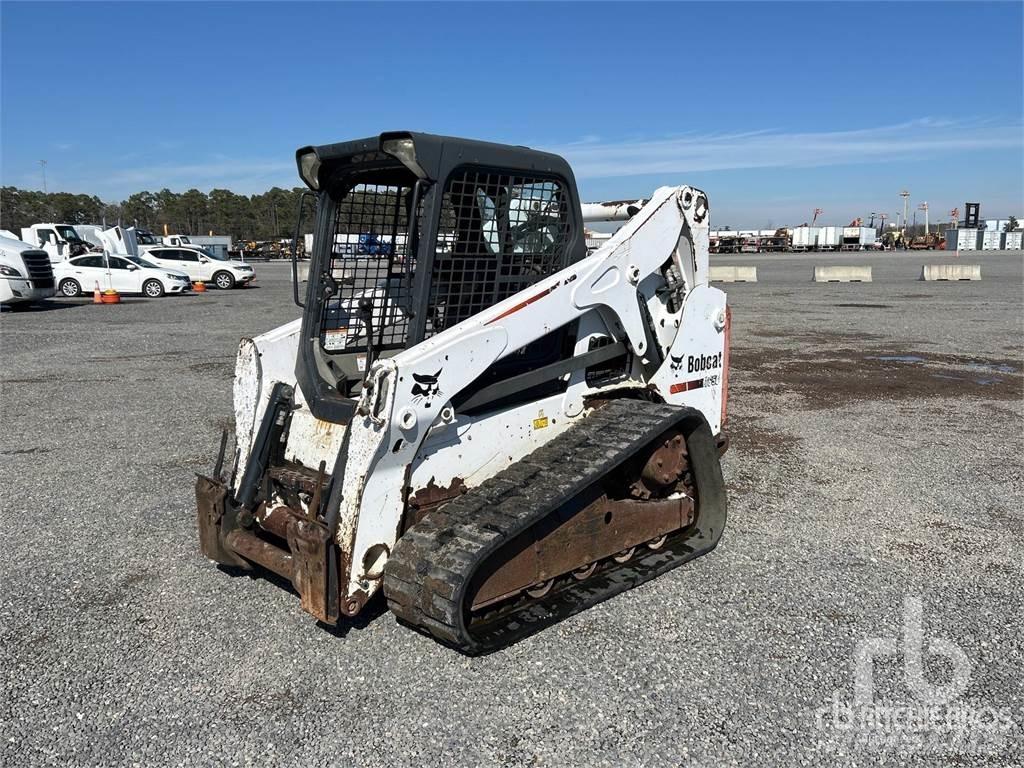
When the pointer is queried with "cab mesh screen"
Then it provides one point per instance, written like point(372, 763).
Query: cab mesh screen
point(499, 233)
point(369, 263)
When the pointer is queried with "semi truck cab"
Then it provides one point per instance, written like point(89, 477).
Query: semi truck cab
point(25, 272)
point(60, 241)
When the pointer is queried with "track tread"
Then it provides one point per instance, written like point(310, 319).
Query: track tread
point(432, 564)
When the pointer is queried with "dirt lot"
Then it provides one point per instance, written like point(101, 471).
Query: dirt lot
point(876, 492)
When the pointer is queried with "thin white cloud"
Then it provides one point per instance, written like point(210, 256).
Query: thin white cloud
point(594, 158)
point(238, 175)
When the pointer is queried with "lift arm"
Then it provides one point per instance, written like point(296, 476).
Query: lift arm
point(408, 395)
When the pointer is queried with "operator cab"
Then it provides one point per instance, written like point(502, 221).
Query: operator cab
point(415, 233)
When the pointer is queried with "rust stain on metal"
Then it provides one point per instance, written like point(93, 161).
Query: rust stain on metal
point(603, 529)
point(607, 527)
point(261, 552)
point(296, 476)
point(431, 497)
point(310, 543)
point(354, 603)
point(276, 519)
point(211, 505)
point(664, 468)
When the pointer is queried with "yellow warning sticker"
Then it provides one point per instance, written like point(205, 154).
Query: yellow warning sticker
point(540, 423)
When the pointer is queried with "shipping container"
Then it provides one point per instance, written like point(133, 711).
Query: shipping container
point(962, 239)
point(992, 241)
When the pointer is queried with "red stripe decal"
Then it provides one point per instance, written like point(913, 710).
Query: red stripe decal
point(686, 386)
point(522, 304)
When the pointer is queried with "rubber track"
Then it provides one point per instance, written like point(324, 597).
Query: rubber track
point(431, 567)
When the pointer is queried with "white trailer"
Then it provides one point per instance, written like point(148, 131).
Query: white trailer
point(858, 238)
point(805, 238)
point(830, 238)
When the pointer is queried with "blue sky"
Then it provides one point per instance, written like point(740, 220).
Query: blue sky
point(772, 108)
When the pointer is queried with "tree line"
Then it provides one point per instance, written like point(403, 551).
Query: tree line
point(266, 216)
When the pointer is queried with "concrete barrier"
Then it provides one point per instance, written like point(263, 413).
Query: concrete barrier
point(951, 272)
point(842, 274)
point(733, 274)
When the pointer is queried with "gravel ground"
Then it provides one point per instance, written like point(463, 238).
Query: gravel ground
point(876, 460)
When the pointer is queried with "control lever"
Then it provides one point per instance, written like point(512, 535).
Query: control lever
point(366, 314)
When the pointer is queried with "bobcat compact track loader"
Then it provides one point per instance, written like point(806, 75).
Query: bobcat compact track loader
point(473, 416)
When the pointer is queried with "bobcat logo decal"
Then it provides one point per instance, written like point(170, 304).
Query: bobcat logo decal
point(696, 363)
point(426, 387)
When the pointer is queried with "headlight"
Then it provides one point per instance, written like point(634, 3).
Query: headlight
point(9, 271)
point(404, 149)
point(309, 169)
point(172, 277)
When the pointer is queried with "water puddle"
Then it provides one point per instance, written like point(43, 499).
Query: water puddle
point(997, 367)
point(898, 358)
point(983, 381)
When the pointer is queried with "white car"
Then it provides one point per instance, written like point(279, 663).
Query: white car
point(203, 265)
point(125, 274)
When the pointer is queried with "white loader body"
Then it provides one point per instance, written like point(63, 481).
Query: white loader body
point(406, 434)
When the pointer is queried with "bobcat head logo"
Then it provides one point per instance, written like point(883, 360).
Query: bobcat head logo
point(677, 362)
point(426, 387)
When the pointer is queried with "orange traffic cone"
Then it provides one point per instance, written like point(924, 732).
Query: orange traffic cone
point(198, 286)
point(96, 299)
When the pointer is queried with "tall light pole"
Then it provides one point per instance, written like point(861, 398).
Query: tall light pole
point(906, 197)
point(42, 164)
point(924, 207)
